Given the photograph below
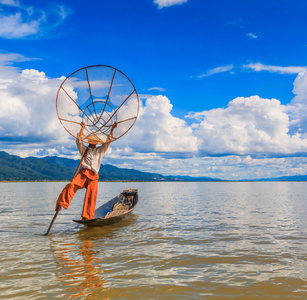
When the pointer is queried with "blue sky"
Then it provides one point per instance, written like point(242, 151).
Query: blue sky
point(222, 83)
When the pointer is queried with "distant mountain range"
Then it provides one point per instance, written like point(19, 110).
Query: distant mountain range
point(287, 178)
point(53, 168)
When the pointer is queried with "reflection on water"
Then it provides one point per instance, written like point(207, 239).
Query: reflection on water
point(81, 271)
point(80, 265)
point(183, 241)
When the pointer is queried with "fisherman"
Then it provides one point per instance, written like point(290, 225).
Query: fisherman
point(88, 175)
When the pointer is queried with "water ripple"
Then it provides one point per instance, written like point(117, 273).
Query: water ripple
point(184, 241)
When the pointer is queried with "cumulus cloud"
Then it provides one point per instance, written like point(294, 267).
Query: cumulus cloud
point(20, 21)
point(28, 116)
point(250, 125)
point(298, 106)
point(258, 67)
point(157, 130)
point(167, 3)
point(223, 142)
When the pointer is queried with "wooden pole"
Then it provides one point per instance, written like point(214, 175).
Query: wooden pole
point(54, 217)
point(57, 211)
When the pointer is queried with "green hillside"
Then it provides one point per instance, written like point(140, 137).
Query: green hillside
point(52, 168)
point(13, 167)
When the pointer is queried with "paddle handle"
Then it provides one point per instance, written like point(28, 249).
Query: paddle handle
point(57, 211)
point(54, 217)
point(80, 163)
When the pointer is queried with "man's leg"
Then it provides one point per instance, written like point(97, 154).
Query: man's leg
point(90, 199)
point(70, 190)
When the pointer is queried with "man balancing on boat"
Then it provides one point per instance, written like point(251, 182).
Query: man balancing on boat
point(88, 175)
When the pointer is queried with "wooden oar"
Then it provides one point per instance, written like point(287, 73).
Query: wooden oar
point(57, 211)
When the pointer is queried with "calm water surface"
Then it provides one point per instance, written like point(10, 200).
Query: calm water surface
point(184, 241)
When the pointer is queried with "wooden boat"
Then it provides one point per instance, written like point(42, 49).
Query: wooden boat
point(114, 210)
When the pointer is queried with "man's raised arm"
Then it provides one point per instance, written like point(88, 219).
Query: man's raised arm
point(110, 136)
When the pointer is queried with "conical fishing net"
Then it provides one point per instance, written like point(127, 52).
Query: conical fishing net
point(99, 96)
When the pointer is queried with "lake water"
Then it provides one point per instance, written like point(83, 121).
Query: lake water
point(202, 240)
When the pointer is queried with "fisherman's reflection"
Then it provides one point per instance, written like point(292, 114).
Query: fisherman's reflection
point(82, 274)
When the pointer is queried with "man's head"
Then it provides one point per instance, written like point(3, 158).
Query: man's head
point(93, 140)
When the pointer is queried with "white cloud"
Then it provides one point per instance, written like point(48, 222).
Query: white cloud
point(250, 125)
point(300, 88)
point(10, 58)
point(252, 36)
point(167, 3)
point(217, 70)
point(13, 26)
point(298, 106)
point(258, 67)
point(20, 21)
point(157, 89)
point(156, 130)
point(246, 167)
point(28, 115)
point(10, 3)
point(64, 12)
point(222, 143)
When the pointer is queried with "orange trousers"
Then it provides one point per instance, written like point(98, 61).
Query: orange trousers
point(85, 179)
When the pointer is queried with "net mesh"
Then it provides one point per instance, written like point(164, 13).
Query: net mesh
point(99, 96)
